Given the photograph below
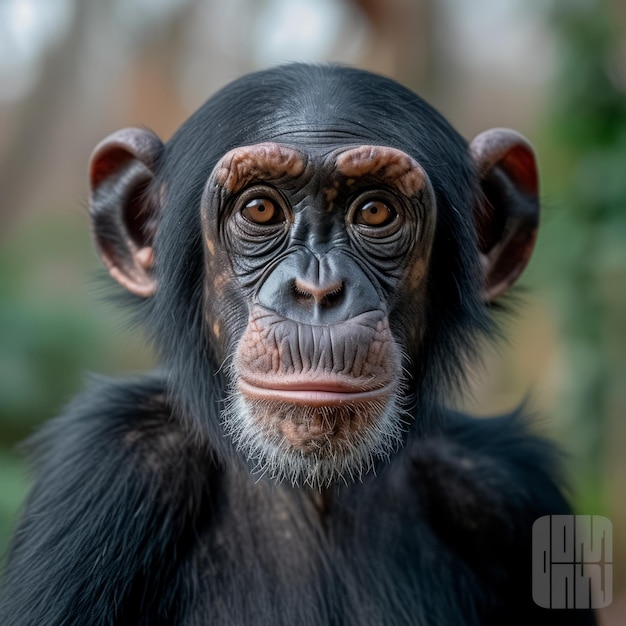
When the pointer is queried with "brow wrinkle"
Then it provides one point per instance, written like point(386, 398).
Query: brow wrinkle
point(393, 165)
point(264, 161)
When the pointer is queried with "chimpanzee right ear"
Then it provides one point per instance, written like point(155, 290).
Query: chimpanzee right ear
point(123, 217)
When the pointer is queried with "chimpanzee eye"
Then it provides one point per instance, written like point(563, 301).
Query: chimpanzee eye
point(374, 213)
point(263, 211)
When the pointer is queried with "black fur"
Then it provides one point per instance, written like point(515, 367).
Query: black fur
point(143, 514)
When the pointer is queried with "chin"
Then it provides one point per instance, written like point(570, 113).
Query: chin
point(314, 444)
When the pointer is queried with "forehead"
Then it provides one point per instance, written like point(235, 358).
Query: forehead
point(271, 161)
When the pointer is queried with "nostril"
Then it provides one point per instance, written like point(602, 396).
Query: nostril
point(333, 297)
point(323, 295)
point(300, 294)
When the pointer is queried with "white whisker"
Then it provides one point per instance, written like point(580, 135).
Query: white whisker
point(255, 429)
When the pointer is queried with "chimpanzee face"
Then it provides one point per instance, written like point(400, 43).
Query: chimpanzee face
point(321, 245)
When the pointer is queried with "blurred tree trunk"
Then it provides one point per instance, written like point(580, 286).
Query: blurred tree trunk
point(37, 117)
point(401, 42)
point(153, 80)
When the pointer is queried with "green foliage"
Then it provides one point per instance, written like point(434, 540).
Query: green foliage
point(587, 162)
point(54, 326)
point(13, 486)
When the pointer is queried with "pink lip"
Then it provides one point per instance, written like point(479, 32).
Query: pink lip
point(314, 393)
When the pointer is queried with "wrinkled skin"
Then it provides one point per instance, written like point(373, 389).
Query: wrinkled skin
point(317, 366)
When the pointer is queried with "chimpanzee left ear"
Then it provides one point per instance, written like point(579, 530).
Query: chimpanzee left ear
point(507, 222)
point(123, 216)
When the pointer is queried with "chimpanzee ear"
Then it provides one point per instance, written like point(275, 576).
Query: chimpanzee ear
point(508, 219)
point(123, 217)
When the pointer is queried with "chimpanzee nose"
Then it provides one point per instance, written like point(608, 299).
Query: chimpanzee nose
point(323, 294)
point(329, 290)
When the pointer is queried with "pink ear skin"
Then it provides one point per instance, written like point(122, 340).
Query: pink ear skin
point(123, 216)
point(508, 221)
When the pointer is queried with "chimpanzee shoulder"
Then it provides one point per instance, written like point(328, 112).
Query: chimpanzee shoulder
point(483, 481)
point(119, 486)
point(481, 484)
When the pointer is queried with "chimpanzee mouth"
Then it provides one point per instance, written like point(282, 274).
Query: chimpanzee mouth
point(330, 392)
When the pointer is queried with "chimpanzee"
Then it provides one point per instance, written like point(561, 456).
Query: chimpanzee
point(316, 255)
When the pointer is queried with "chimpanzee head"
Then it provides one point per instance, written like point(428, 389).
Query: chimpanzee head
point(315, 252)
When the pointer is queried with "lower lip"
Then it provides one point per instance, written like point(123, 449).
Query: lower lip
point(313, 397)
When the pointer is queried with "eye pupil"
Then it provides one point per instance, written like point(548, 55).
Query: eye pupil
point(262, 211)
point(374, 213)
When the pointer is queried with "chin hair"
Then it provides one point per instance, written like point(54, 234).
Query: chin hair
point(353, 437)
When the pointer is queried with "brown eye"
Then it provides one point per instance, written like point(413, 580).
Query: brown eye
point(374, 213)
point(262, 211)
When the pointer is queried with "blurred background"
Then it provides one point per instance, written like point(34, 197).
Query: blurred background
point(72, 71)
